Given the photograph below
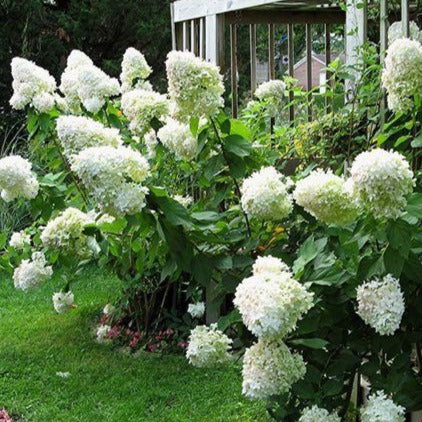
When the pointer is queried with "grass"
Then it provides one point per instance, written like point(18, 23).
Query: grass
point(104, 385)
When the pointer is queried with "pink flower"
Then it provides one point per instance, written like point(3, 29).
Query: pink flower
point(183, 344)
point(169, 332)
point(114, 332)
point(152, 347)
point(4, 416)
point(134, 341)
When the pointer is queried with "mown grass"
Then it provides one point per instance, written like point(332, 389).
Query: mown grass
point(104, 385)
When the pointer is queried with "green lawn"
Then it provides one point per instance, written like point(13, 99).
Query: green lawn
point(104, 385)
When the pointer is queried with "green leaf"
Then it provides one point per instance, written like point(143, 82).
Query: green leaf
point(417, 142)
point(414, 205)
point(313, 343)
point(237, 145)
point(307, 252)
point(202, 269)
point(116, 226)
point(226, 321)
point(393, 261)
point(206, 216)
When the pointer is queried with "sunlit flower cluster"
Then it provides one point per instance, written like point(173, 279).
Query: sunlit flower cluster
point(83, 82)
point(135, 70)
point(186, 200)
point(113, 177)
point(402, 75)
point(316, 414)
point(177, 137)
point(208, 346)
point(19, 240)
point(17, 179)
point(140, 106)
point(265, 195)
point(381, 180)
point(32, 272)
point(327, 197)
point(65, 232)
point(62, 301)
point(272, 94)
point(197, 309)
point(78, 132)
point(380, 408)
point(32, 85)
point(395, 32)
point(271, 303)
point(381, 304)
point(270, 368)
point(195, 86)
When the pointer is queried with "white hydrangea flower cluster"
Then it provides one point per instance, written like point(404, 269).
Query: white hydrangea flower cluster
point(65, 232)
point(32, 273)
point(327, 197)
point(381, 304)
point(269, 265)
point(77, 133)
point(380, 408)
point(208, 346)
point(19, 240)
point(83, 82)
point(194, 85)
point(402, 74)
point(272, 302)
point(316, 414)
point(102, 334)
point(395, 32)
point(62, 301)
point(113, 177)
point(151, 141)
point(270, 368)
point(17, 178)
point(186, 200)
point(272, 94)
point(135, 70)
point(265, 195)
point(140, 106)
point(32, 85)
point(197, 309)
point(109, 309)
point(381, 179)
point(177, 137)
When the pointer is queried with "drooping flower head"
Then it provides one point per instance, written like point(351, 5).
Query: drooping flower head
point(272, 303)
point(140, 106)
point(17, 179)
point(380, 408)
point(381, 304)
point(19, 240)
point(31, 273)
point(195, 86)
point(65, 232)
point(402, 75)
point(272, 94)
point(113, 177)
point(197, 309)
point(327, 197)
point(177, 137)
point(32, 85)
point(269, 368)
point(102, 334)
point(381, 180)
point(316, 414)
point(62, 301)
point(135, 70)
point(265, 196)
point(84, 83)
point(208, 346)
point(79, 132)
point(395, 32)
